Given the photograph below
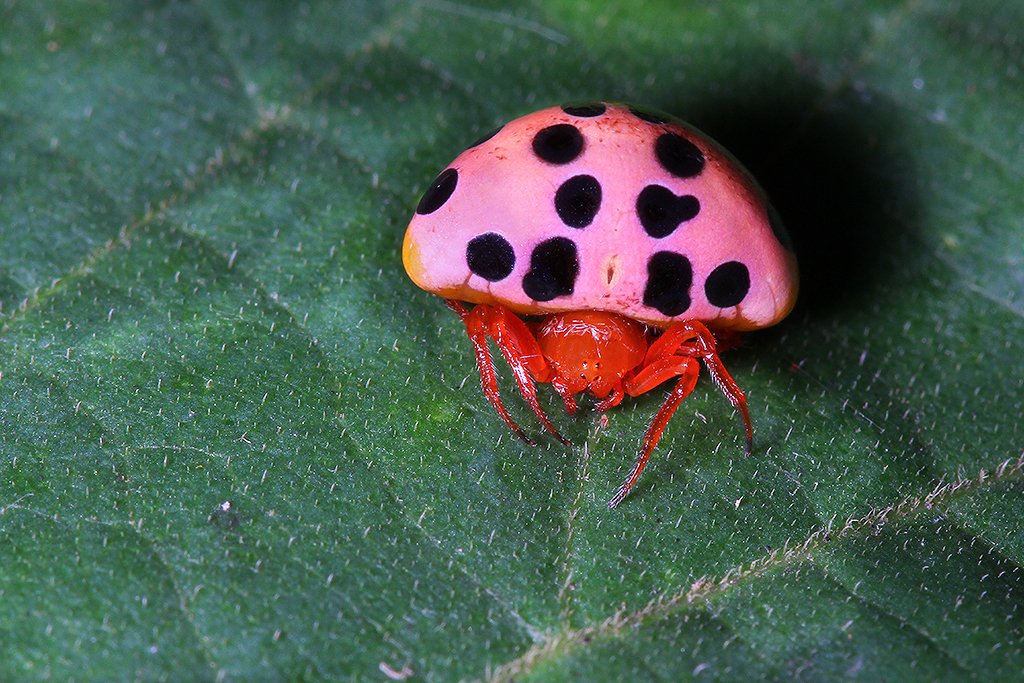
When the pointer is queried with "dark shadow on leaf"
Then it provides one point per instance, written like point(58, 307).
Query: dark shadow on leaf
point(830, 163)
point(833, 164)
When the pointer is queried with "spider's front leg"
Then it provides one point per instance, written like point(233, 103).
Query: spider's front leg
point(647, 378)
point(693, 339)
point(520, 349)
point(674, 354)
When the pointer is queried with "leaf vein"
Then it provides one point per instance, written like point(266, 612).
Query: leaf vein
point(706, 589)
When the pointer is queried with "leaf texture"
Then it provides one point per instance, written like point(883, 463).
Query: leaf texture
point(236, 443)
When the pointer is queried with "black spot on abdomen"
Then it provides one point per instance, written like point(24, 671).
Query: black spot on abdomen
point(577, 200)
point(588, 110)
point(558, 144)
point(669, 276)
point(438, 192)
point(647, 116)
point(484, 138)
point(660, 211)
point(728, 284)
point(679, 156)
point(490, 256)
point(554, 265)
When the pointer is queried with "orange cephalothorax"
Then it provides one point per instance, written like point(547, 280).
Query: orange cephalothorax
point(592, 350)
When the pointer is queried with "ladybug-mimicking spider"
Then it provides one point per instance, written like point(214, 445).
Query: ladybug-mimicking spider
point(640, 245)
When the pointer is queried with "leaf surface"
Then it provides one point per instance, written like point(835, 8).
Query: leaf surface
point(237, 443)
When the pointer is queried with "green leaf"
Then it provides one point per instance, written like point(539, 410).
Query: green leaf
point(237, 443)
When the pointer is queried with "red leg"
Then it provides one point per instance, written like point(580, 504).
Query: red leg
point(486, 367)
point(661, 370)
point(614, 399)
point(692, 338)
point(565, 392)
point(733, 392)
point(687, 370)
point(521, 351)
